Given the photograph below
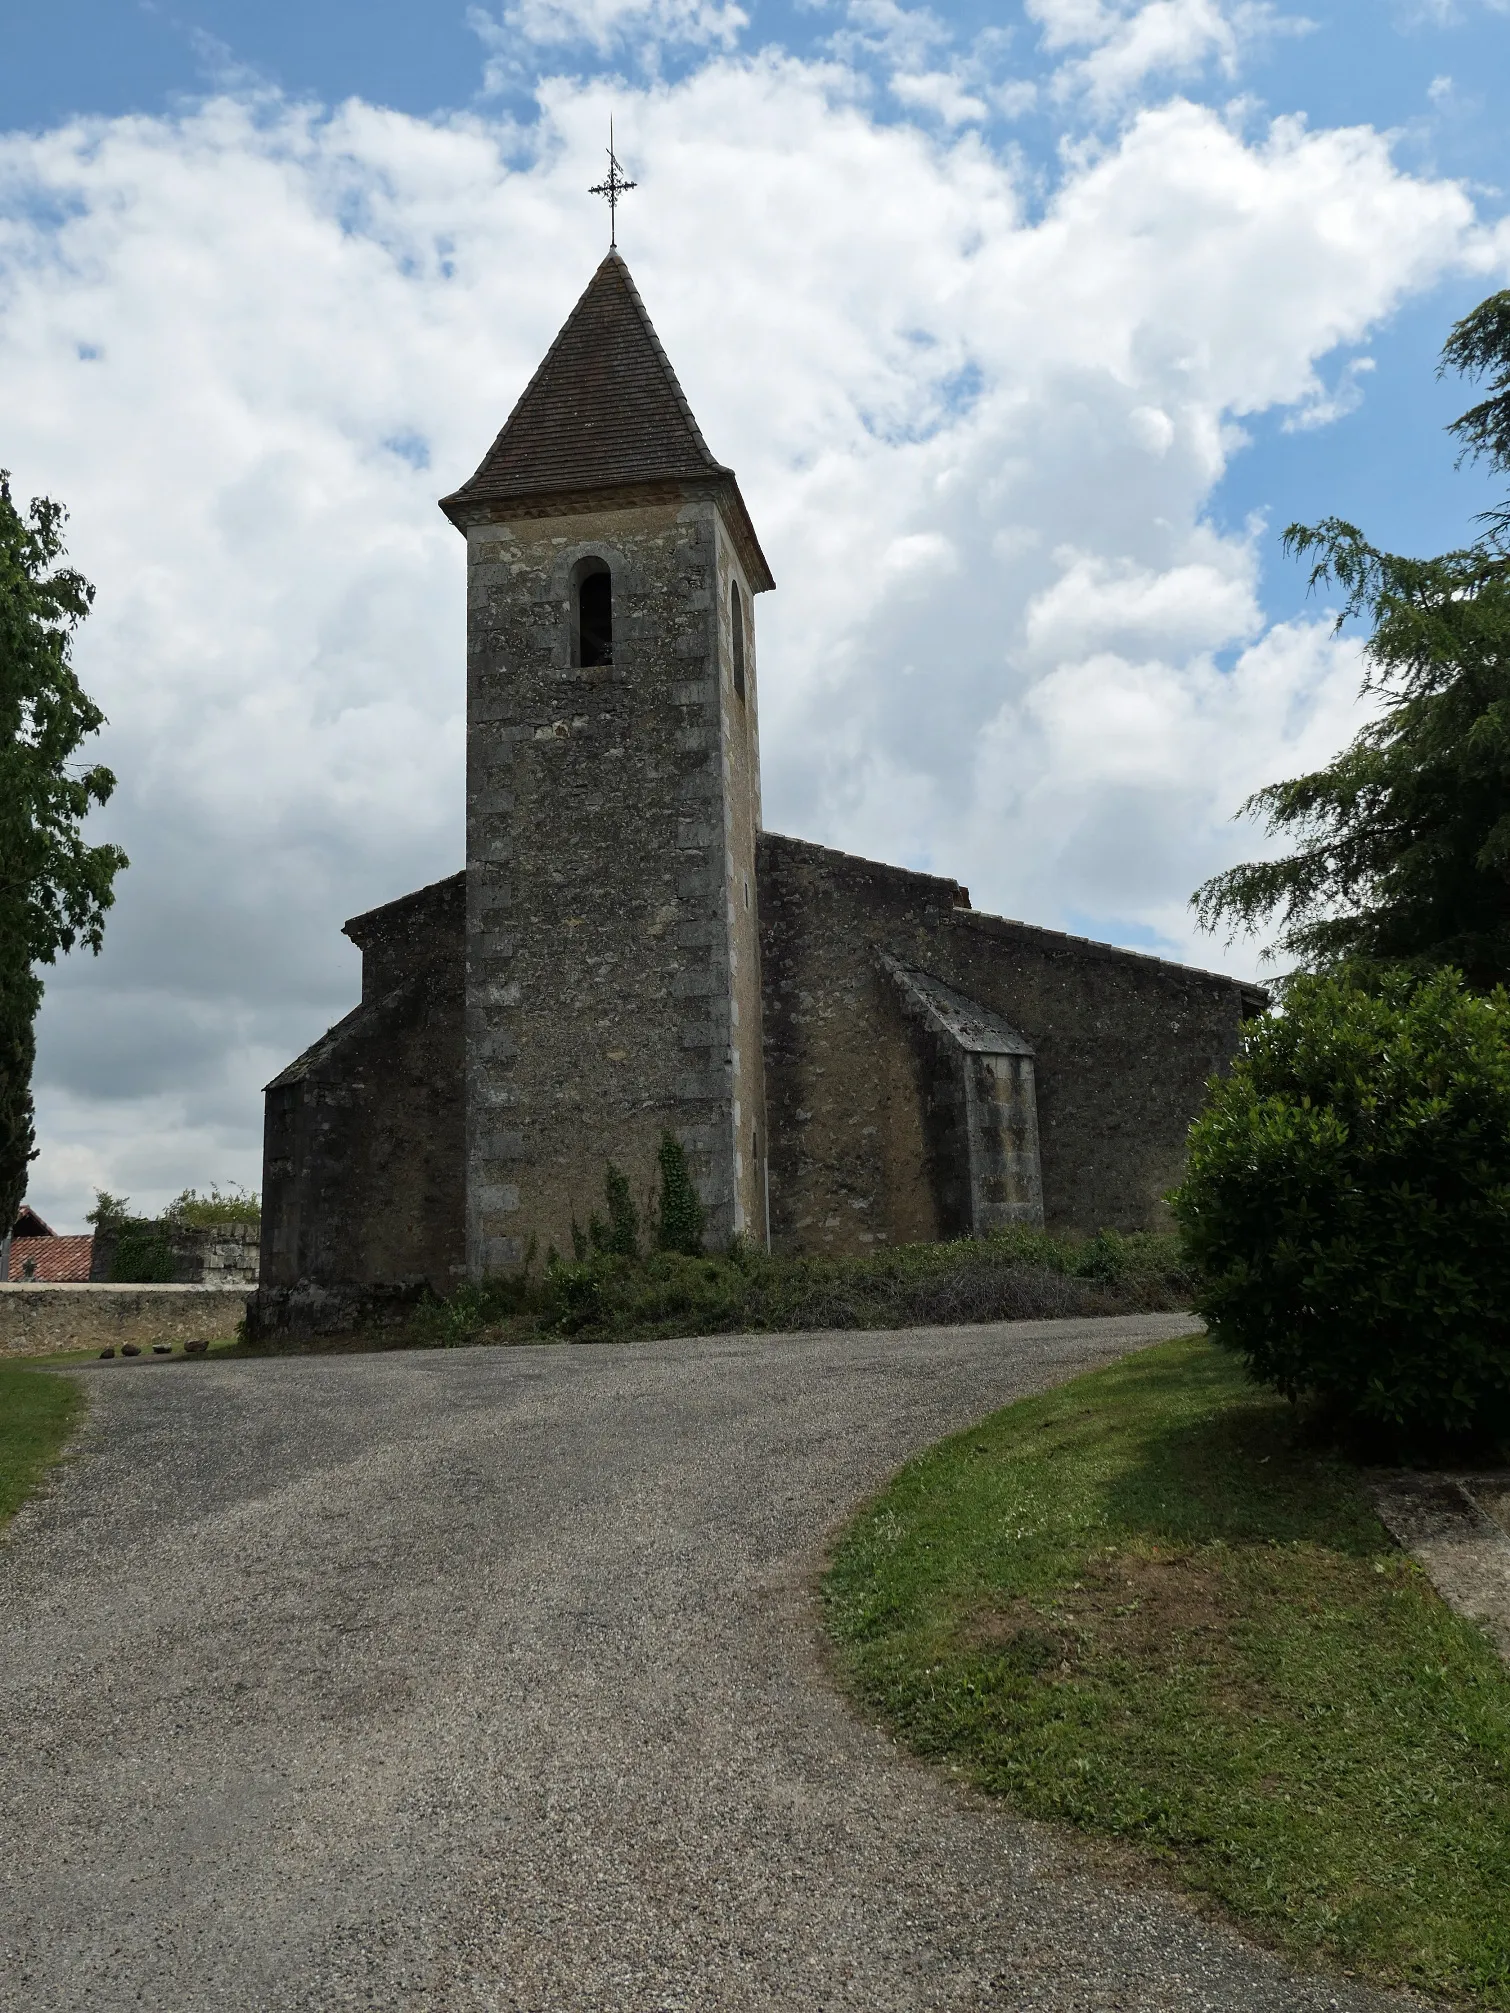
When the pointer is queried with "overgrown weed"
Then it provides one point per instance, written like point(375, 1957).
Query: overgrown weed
point(605, 1295)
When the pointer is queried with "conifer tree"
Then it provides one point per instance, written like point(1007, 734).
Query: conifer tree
point(1404, 839)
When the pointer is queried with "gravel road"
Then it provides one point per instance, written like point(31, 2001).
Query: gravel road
point(490, 1679)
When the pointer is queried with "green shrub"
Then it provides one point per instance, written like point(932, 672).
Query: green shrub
point(1014, 1275)
point(109, 1210)
point(196, 1211)
point(620, 1235)
point(1347, 1203)
point(473, 1307)
point(141, 1248)
point(681, 1219)
point(142, 1255)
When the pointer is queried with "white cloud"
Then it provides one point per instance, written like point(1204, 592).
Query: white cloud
point(1130, 42)
point(514, 36)
point(902, 37)
point(1132, 768)
point(941, 92)
point(1200, 605)
point(1322, 407)
point(249, 347)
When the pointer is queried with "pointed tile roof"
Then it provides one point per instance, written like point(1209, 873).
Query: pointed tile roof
point(603, 411)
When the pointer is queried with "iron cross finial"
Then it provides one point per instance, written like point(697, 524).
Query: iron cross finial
point(612, 186)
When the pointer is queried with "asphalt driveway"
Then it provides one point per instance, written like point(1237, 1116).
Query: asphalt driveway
point(490, 1679)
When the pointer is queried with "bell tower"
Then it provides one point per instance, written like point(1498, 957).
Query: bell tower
point(613, 797)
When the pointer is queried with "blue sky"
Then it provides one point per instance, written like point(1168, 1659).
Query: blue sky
point(1027, 328)
point(1432, 73)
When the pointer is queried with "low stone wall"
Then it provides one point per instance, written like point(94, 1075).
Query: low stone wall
point(38, 1320)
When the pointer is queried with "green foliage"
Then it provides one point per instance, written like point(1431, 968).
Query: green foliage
point(474, 1309)
point(37, 1412)
point(1347, 1203)
point(54, 890)
point(142, 1248)
point(222, 1205)
point(1479, 345)
point(142, 1255)
point(109, 1210)
point(681, 1220)
point(604, 1297)
point(620, 1235)
point(20, 997)
point(1015, 1275)
point(1143, 1605)
point(1404, 840)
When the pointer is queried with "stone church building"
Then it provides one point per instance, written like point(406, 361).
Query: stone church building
point(849, 1052)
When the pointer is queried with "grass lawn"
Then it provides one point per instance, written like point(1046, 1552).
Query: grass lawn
point(1143, 1605)
point(36, 1415)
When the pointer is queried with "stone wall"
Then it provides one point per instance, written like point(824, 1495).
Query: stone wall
point(216, 1254)
point(869, 1123)
point(610, 843)
point(980, 1108)
point(229, 1254)
point(363, 1147)
point(739, 743)
point(1123, 1047)
point(43, 1320)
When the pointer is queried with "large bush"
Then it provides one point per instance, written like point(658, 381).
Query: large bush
point(1347, 1203)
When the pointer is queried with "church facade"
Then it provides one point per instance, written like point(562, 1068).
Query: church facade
point(849, 1053)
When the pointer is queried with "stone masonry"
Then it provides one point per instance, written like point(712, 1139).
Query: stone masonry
point(611, 806)
point(849, 1053)
point(1122, 1046)
point(610, 835)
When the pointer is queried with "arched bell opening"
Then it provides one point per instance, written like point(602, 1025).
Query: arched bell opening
point(591, 613)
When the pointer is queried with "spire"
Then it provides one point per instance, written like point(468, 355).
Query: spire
point(603, 411)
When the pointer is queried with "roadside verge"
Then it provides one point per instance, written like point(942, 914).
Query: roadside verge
point(1143, 1605)
point(37, 1414)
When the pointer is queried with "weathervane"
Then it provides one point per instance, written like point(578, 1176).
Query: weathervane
point(612, 186)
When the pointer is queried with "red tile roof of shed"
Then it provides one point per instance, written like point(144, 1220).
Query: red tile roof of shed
point(58, 1260)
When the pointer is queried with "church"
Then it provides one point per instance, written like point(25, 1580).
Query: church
point(850, 1054)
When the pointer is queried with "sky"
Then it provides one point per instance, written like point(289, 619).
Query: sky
point(1028, 328)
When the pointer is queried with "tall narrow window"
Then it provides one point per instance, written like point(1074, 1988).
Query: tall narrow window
point(591, 613)
point(737, 632)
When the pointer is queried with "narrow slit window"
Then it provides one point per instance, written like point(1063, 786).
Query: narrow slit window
point(592, 613)
point(737, 634)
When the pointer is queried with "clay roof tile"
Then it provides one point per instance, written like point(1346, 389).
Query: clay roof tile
point(603, 411)
point(54, 1260)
